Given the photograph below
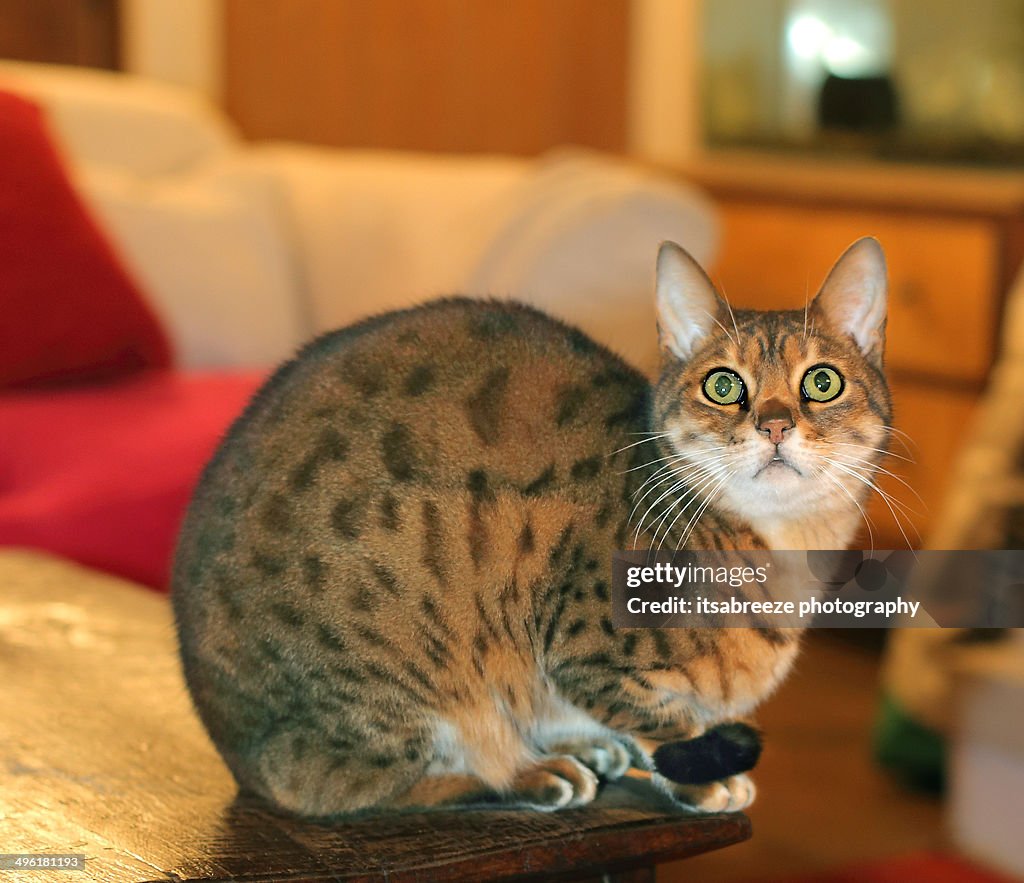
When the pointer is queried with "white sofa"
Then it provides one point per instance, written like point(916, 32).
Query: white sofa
point(248, 249)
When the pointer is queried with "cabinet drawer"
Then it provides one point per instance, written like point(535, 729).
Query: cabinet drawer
point(942, 272)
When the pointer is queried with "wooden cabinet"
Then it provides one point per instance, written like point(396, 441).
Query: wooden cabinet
point(953, 241)
point(942, 275)
point(448, 75)
point(83, 32)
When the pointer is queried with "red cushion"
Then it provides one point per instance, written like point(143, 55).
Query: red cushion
point(102, 474)
point(918, 868)
point(68, 309)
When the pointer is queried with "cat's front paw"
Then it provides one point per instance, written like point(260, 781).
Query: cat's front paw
point(608, 758)
point(555, 782)
point(728, 795)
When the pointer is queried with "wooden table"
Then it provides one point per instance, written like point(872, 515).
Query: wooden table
point(102, 755)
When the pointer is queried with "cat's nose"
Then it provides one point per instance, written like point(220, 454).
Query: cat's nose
point(773, 419)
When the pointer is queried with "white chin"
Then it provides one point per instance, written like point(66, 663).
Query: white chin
point(779, 475)
point(775, 490)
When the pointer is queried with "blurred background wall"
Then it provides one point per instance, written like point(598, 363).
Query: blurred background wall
point(655, 78)
point(517, 78)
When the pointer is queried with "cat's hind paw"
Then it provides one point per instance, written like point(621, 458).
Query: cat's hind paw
point(608, 758)
point(555, 782)
point(728, 795)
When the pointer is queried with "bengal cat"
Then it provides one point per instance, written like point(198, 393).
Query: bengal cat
point(392, 585)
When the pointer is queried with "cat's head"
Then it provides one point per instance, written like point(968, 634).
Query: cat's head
point(777, 415)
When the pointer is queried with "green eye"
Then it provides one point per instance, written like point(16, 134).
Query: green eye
point(822, 383)
point(724, 387)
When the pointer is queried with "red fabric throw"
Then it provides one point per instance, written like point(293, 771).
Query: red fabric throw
point(68, 309)
point(921, 868)
point(102, 474)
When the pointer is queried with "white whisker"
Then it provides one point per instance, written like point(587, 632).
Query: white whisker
point(875, 469)
point(683, 502)
point(867, 521)
point(863, 474)
point(648, 463)
point(687, 479)
point(889, 501)
point(728, 306)
point(807, 304)
point(680, 476)
point(689, 474)
point(703, 508)
point(902, 438)
point(877, 450)
point(689, 498)
point(642, 441)
point(675, 457)
point(657, 474)
point(720, 325)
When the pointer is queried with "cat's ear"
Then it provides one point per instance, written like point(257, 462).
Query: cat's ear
point(688, 305)
point(852, 300)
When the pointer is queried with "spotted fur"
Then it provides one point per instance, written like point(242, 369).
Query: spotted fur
point(392, 585)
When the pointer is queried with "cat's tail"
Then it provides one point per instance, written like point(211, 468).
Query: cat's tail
point(718, 753)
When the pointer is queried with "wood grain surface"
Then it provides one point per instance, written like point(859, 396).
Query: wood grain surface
point(101, 754)
point(82, 32)
point(449, 75)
